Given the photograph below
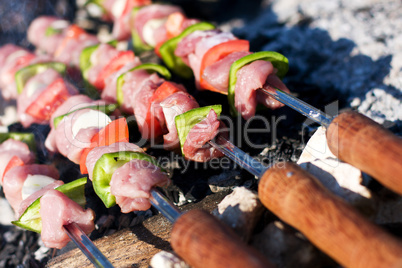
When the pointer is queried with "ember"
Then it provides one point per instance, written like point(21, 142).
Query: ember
point(342, 56)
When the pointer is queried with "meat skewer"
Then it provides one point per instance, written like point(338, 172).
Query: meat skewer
point(300, 200)
point(148, 96)
point(205, 223)
point(254, 259)
point(23, 183)
point(222, 63)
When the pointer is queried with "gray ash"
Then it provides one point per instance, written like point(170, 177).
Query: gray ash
point(18, 248)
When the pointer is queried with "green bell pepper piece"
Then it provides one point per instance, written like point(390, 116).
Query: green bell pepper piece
point(28, 138)
point(85, 62)
point(138, 45)
point(85, 65)
point(95, 2)
point(107, 109)
point(98, 3)
point(279, 61)
point(106, 166)
point(167, 50)
point(52, 31)
point(31, 219)
point(85, 57)
point(23, 75)
point(150, 67)
point(186, 121)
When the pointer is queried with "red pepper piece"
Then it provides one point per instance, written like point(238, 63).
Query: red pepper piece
point(15, 161)
point(217, 53)
point(49, 100)
point(161, 93)
point(20, 63)
point(73, 33)
point(156, 49)
point(115, 131)
point(114, 65)
point(174, 24)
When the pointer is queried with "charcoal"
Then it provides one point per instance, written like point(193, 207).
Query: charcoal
point(225, 181)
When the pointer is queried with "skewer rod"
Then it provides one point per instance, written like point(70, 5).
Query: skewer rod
point(87, 246)
point(298, 105)
point(161, 203)
point(239, 157)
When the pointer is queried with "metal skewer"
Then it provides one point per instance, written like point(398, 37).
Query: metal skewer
point(87, 246)
point(298, 105)
point(161, 203)
point(239, 156)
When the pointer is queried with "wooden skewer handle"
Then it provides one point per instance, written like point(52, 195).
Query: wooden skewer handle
point(361, 142)
point(336, 228)
point(203, 241)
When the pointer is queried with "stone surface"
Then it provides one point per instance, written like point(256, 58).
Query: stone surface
point(340, 178)
point(241, 210)
point(166, 259)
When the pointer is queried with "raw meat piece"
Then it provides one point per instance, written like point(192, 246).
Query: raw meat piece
point(132, 182)
point(97, 152)
point(217, 74)
point(155, 11)
point(15, 177)
point(172, 106)
point(56, 210)
point(109, 92)
point(250, 78)
point(196, 147)
point(37, 33)
point(10, 148)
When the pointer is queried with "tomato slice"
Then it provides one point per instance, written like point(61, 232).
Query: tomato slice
point(161, 93)
point(114, 65)
point(217, 53)
point(73, 33)
point(49, 100)
point(115, 131)
point(15, 161)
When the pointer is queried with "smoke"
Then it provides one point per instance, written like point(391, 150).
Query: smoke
point(15, 17)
